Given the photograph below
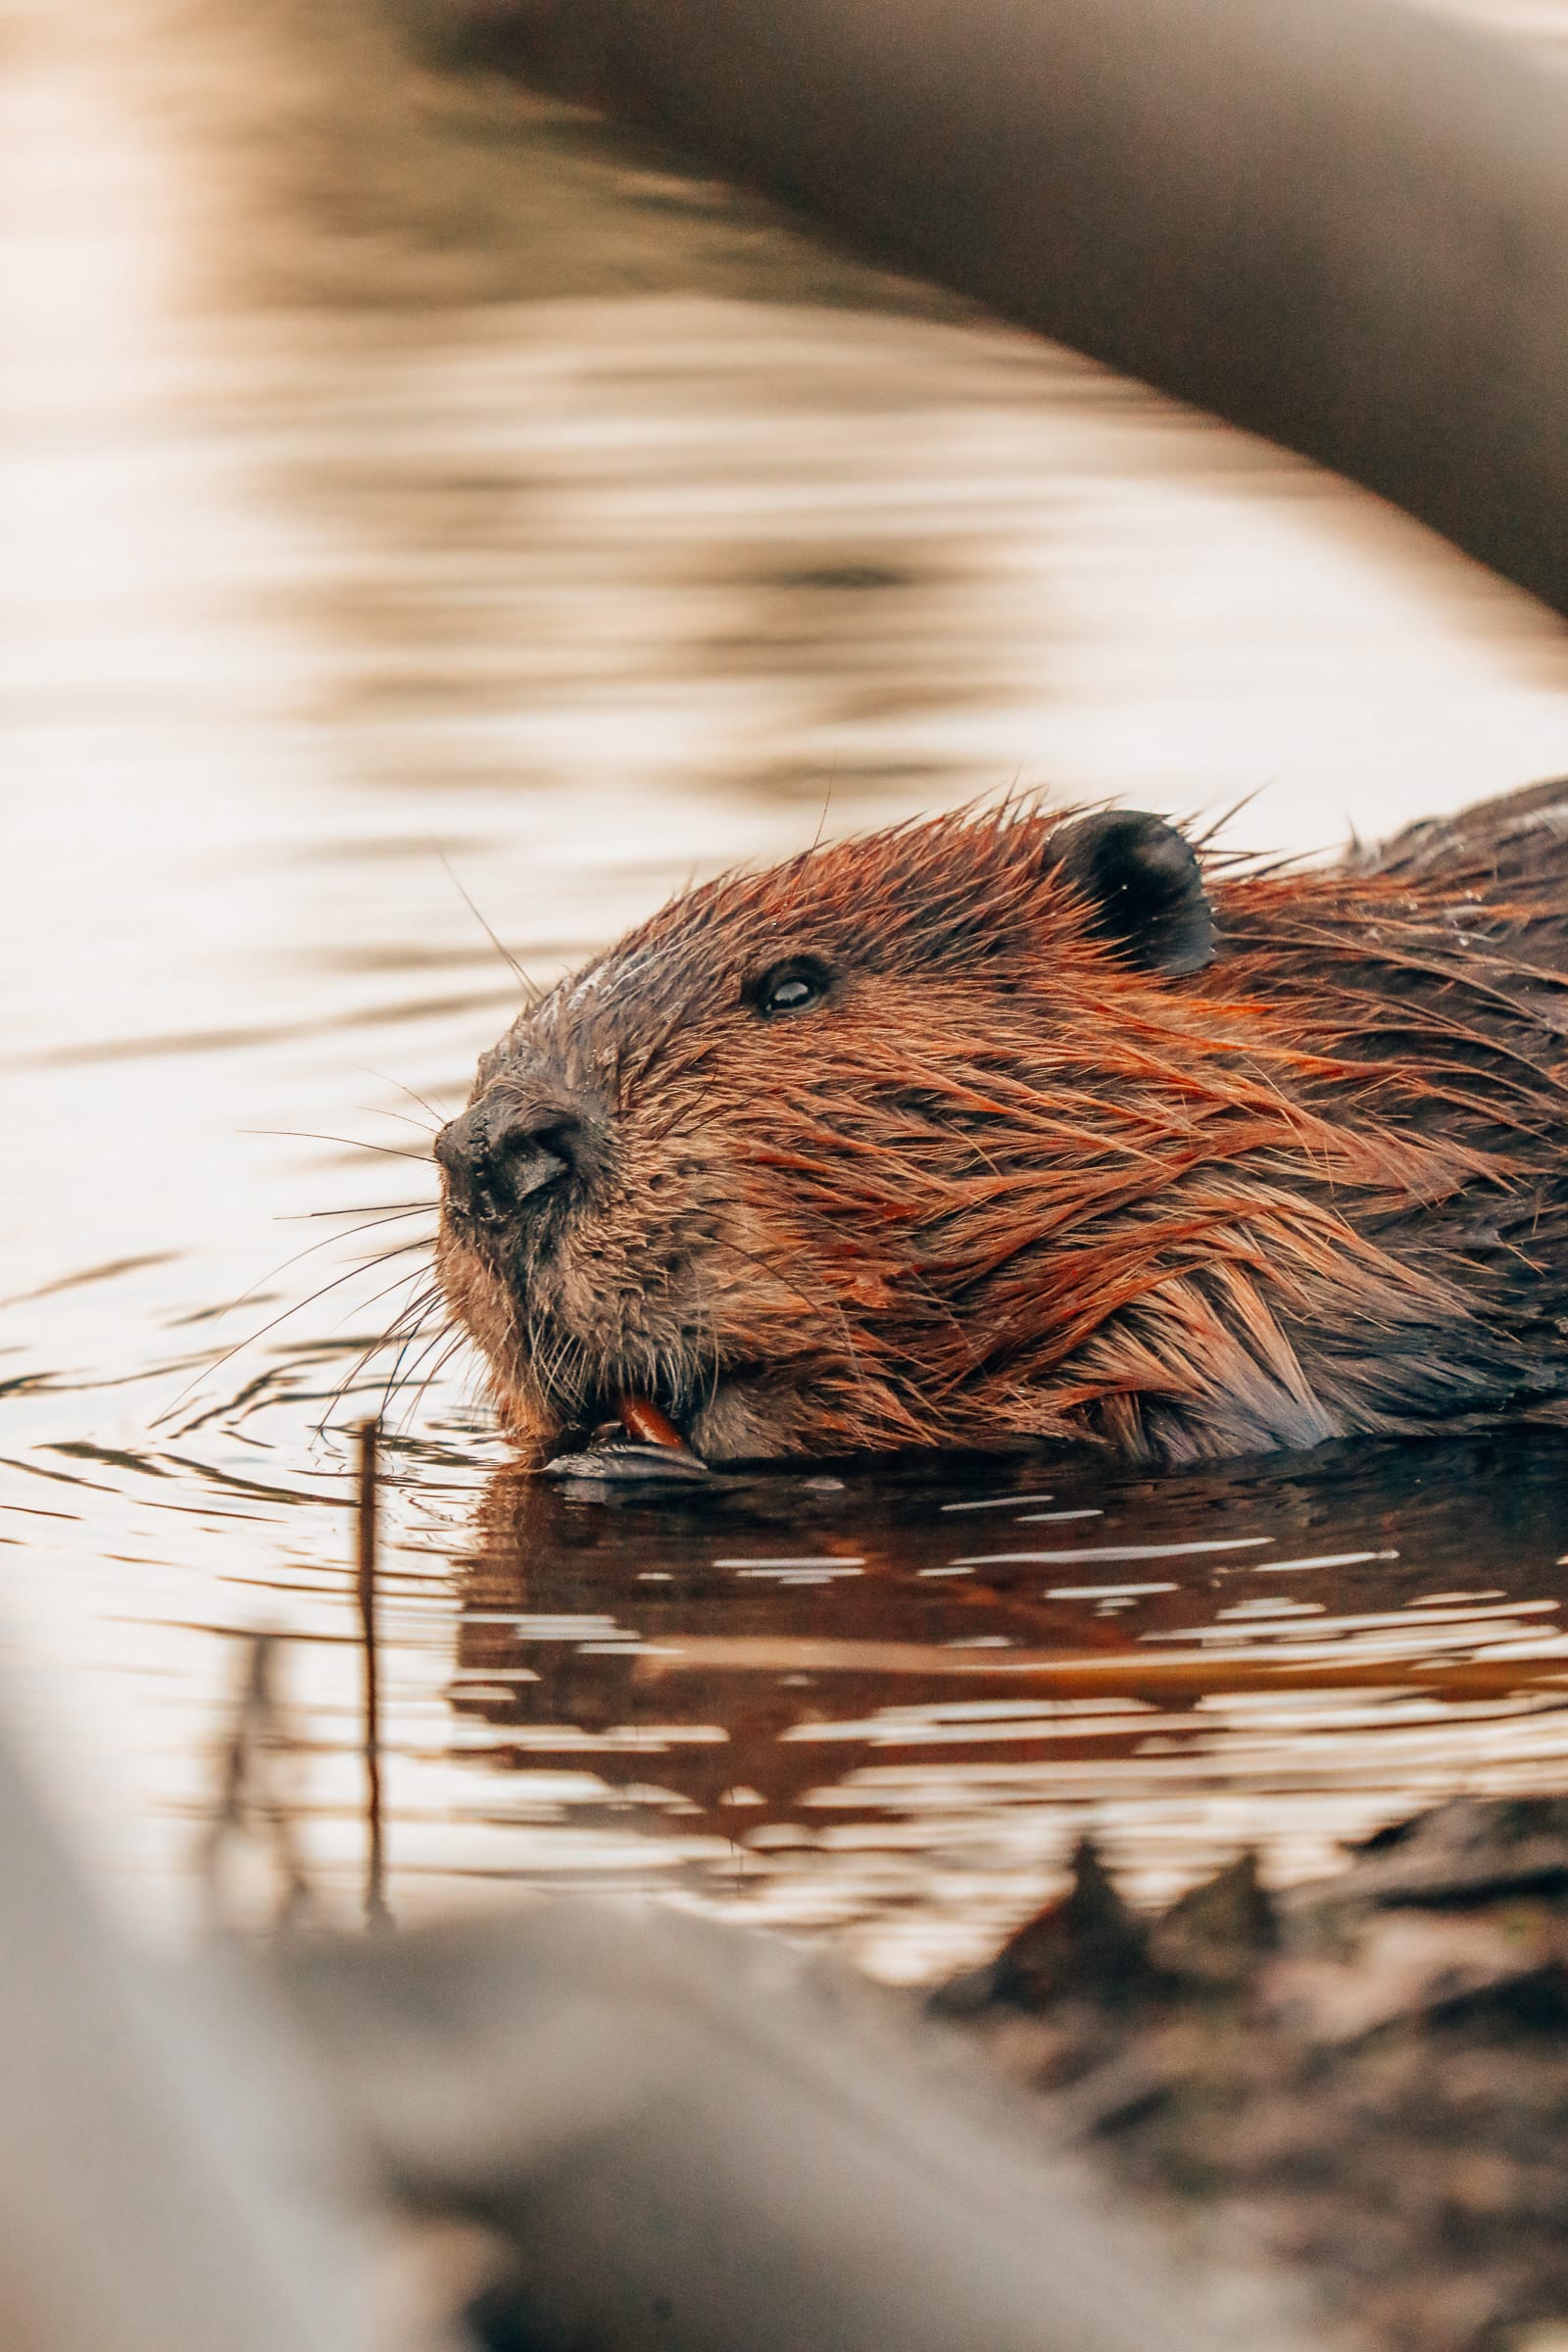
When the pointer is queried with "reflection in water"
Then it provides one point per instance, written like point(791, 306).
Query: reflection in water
point(888, 1699)
point(395, 471)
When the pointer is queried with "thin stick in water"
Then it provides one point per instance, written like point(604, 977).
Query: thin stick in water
point(376, 1913)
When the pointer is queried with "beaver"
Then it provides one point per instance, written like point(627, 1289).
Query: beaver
point(1012, 1124)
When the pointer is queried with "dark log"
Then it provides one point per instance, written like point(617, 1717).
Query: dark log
point(1343, 225)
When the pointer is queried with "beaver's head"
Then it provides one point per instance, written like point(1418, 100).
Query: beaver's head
point(921, 1139)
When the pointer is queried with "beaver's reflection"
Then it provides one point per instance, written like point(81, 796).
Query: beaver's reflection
point(736, 1660)
point(580, 1622)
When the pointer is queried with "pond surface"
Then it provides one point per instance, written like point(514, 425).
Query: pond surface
point(413, 498)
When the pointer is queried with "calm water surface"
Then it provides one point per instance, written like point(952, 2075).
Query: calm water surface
point(407, 494)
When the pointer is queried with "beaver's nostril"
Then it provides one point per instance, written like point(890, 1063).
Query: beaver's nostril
point(526, 1161)
point(498, 1157)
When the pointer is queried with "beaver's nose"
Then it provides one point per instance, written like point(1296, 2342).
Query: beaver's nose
point(499, 1154)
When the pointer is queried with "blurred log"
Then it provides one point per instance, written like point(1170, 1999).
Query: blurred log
point(145, 2143)
point(681, 2133)
point(691, 2136)
point(1343, 225)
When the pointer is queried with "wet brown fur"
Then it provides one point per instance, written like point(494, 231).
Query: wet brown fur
point(1002, 1182)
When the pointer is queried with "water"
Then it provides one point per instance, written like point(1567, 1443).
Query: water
point(409, 494)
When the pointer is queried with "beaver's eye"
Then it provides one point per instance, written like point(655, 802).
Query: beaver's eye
point(791, 987)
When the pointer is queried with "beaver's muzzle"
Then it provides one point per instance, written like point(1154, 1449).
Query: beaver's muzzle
point(504, 1155)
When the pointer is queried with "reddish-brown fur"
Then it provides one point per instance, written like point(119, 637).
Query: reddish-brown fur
point(1001, 1180)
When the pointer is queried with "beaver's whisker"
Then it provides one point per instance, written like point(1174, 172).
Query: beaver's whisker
point(542, 1353)
point(532, 991)
point(234, 1407)
point(422, 1300)
point(388, 1209)
point(565, 1366)
point(417, 1307)
point(371, 1224)
point(382, 1077)
point(417, 1304)
point(433, 1294)
point(562, 1371)
point(379, 1110)
point(457, 1341)
point(383, 1258)
point(415, 1389)
point(395, 1380)
point(349, 1143)
point(299, 1305)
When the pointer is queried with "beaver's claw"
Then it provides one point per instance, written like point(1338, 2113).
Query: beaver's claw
point(624, 1461)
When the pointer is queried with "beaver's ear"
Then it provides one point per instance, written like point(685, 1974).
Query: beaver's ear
point(1143, 885)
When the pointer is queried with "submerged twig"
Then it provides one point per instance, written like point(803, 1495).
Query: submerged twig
point(377, 1912)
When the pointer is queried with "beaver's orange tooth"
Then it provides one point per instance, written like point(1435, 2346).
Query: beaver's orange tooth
point(644, 1421)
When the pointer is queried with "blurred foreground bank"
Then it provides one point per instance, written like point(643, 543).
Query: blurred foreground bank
point(659, 2132)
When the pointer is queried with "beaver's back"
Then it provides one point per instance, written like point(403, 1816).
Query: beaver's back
point(1506, 856)
point(1445, 946)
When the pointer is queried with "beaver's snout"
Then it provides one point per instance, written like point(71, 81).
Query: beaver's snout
point(505, 1154)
